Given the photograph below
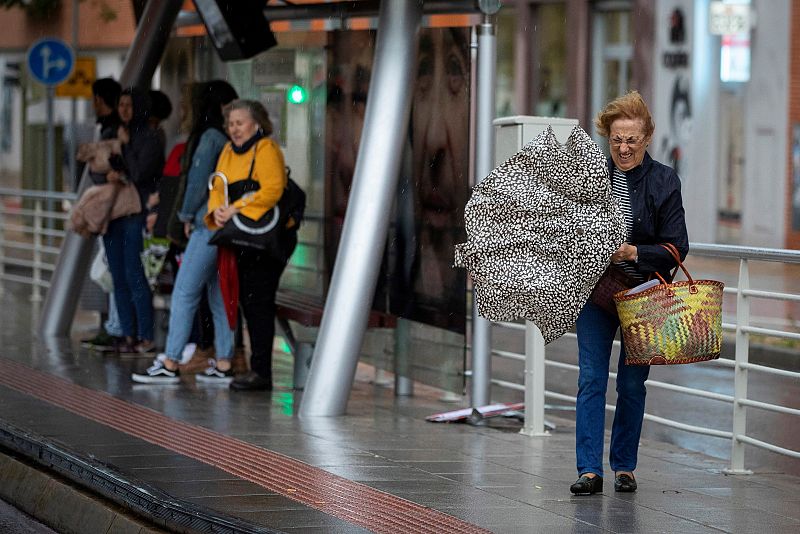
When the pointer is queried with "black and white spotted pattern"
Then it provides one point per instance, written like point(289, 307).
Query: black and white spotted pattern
point(541, 229)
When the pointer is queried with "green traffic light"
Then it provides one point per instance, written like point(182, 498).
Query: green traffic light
point(296, 95)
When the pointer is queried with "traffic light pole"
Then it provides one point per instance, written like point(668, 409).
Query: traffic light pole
point(484, 163)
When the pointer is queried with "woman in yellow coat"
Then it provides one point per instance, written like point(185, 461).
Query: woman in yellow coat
point(251, 153)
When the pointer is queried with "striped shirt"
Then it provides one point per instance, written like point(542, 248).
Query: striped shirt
point(619, 189)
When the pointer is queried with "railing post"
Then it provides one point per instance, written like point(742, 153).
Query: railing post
point(740, 372)
point(534, 382)
point(2, 244)
point(36, 289)
point(403, 383)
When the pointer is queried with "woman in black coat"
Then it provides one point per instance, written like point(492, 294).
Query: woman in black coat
point(649, 195)
point(141, 163)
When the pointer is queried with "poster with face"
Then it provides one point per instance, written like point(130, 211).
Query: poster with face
point(417, 281)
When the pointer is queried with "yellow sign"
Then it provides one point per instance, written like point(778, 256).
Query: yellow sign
point(79, 84)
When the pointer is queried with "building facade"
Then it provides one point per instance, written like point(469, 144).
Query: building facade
point(726, 106)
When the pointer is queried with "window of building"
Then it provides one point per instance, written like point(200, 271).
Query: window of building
point(550, 60)
point(612, 52)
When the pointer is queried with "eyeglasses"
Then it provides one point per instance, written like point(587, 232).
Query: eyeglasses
point(632, 142)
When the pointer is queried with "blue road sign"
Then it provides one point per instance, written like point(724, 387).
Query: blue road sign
point(50, 61)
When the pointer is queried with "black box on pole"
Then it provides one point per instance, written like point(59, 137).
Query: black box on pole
point(238, 28)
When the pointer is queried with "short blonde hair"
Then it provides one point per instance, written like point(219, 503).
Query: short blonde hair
point(629, 106)
point(256, 110)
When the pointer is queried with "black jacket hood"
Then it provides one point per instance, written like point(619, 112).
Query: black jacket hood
point(141, 109)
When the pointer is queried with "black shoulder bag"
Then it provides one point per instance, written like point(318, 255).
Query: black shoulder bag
point(269, 233)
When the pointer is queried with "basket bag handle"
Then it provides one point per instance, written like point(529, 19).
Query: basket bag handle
point(673, 251)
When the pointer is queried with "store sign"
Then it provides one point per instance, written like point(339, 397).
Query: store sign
point(728, 19)
point(734, 58)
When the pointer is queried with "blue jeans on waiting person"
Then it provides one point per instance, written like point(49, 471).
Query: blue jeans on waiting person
point(123, 242)
point(197, 273)
point(596, 331)
point(112, 325)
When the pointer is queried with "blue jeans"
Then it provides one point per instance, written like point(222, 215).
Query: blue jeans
point(596, 331)
point(112, 325)
point(123, 242)
point(197, 273)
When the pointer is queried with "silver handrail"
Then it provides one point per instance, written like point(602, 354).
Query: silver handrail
point(739, 400)
point(32, 236)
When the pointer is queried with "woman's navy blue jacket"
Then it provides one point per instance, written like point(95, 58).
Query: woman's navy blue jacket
point(658, 216)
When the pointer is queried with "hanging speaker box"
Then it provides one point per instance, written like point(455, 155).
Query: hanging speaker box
point(238, 29)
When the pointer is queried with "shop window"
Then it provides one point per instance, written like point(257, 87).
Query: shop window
point(504, 92)
point(550, 61)
point(10, 82)
point(612, 52)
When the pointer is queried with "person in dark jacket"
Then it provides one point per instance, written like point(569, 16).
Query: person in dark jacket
point(140, 163)
point(649, 195)
point(105, 98)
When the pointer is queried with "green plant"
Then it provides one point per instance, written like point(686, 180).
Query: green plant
point(36, 9)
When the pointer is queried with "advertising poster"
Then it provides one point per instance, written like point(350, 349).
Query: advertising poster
point(672, 110)
point(418, 281)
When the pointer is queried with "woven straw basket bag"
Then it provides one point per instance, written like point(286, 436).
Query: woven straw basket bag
point(671, 323)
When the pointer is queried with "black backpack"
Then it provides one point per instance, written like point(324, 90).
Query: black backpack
point(295, 200)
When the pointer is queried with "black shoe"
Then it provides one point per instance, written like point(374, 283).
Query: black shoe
point(157, 374)
point(251, 381)
point(625, 483)
point(101, 342)
point(587, 485)
point(212, 375)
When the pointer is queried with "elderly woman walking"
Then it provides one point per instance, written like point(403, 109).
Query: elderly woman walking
point(649, 196)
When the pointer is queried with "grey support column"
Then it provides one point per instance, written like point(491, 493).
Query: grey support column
point(144, 55)
point(484, 163)
point(363, 237)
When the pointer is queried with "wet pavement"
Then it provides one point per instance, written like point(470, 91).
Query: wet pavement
point(13, 521)
point(490, 477)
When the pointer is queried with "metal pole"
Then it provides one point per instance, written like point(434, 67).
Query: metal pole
point(358, 259)
point(149, 43)
point(144, 55)
point(2, 247)
point(73, 141)
point(403, 383)
point(534, 382)
point(36, 289)
point(484, 163)
point(740, 372)
point(51, 157)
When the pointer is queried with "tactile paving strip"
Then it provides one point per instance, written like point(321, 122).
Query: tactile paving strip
point(337, 496)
